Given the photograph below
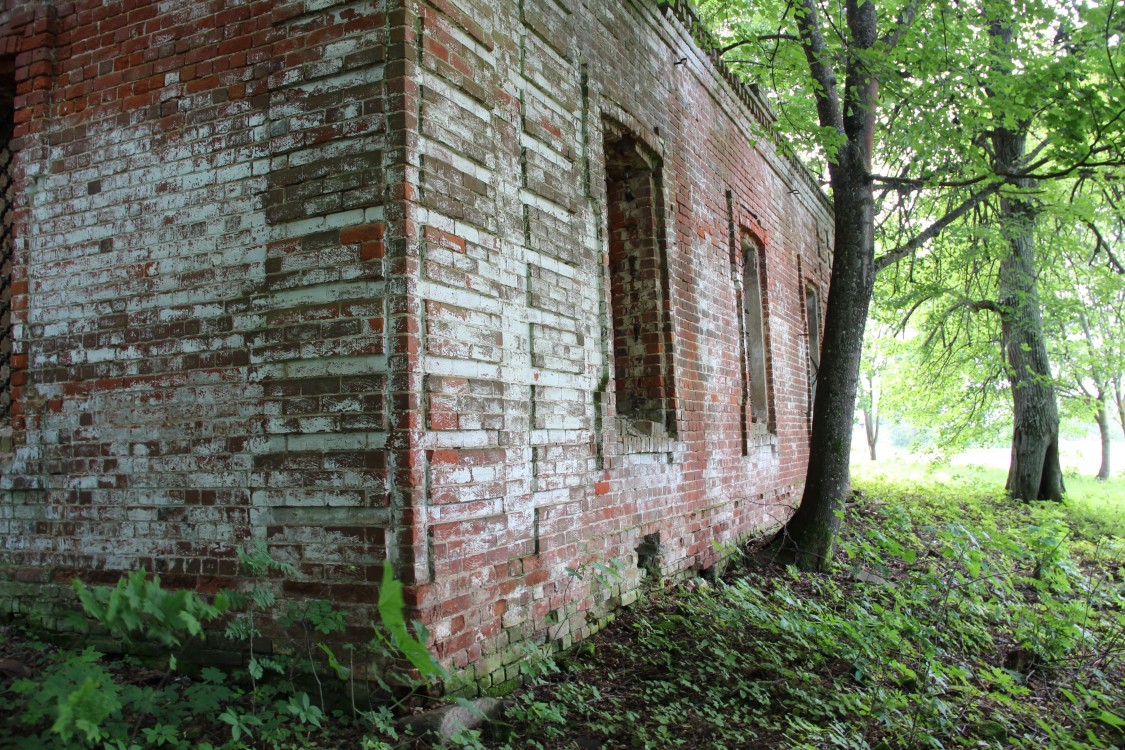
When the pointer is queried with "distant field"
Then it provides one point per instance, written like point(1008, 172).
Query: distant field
point(1100, 505)
point(1080, 457)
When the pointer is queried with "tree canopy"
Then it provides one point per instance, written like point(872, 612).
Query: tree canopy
point(952, 133)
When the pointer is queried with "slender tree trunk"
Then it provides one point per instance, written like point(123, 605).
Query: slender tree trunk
point(871, 424)
point(812, 530)
point(1102, 416)
point(871, 416)
point(1119, 399)
point(1035, 472)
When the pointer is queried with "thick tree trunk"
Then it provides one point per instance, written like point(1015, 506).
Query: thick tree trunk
point(811, 532)
point(1103, 433)
point(1035, 472)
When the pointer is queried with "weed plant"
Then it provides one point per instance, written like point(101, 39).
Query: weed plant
point(80, 699)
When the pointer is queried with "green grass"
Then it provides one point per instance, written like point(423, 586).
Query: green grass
point(1096, 509)
point(1098, 505)
point(954, 618)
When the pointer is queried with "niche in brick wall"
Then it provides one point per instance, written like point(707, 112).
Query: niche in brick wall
point(638, 288)
point(754, 288)
point(812, 323)
point(7, 245)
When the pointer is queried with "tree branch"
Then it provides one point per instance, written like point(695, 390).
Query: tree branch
point(904, 21)
point(1114, 263)
point(820, 66)
point(924, 182)
point(734, 45)
point(971, 306)
point(763, 38)
point(774, 37)
point(982, 304)
point(916, 242)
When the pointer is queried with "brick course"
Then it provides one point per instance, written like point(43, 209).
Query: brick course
point(338, 276)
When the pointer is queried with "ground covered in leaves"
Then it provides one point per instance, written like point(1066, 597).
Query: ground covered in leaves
point(953, 618)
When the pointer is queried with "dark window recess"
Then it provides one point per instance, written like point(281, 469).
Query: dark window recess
point(7, 246)
point(812, 320)
point(753, 302)
point(641, 352)
point(649, 557)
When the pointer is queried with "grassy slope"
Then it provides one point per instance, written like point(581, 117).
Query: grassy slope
point(999, 625)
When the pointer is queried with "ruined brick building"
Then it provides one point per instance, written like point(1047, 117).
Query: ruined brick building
point(493, 289)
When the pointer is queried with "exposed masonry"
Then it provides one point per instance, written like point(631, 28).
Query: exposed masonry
point(7, 125)
point(494, 289)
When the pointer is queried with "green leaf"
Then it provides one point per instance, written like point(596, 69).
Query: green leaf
point(213, 675)
point(391, 606)
point(341, 671)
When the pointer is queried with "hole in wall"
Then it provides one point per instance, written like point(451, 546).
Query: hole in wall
point(648, 557)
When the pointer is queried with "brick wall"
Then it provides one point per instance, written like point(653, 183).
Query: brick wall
point(202, 314)
point(340, 276)
point(525, 250)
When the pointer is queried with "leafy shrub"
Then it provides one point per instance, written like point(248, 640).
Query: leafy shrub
point(79, 700)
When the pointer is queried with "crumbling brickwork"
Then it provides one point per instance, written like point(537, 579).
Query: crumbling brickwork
point(461, 284)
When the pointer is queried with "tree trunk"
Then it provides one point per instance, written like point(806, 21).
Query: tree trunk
point(811, 534)
point(1119, 399)
point(812, 530)
point(1035, 472)
point(871, 426)
point(1103, 433)
point(871, 416)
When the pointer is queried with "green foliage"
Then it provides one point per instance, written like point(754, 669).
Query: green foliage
point(391, 606)
point(77, 696)
point(80, 699)
point(955, 620)
point(139, 607)
point(954, 79)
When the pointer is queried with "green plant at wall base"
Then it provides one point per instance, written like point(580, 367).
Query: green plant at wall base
point(138, 607)
point(604, 574)
point(78, 696)
point(391, 607)
point(81, 700)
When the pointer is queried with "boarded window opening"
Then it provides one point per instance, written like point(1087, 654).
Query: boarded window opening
point(7, 246)
point(757, 343)
point(812, 320)
point(638, 287)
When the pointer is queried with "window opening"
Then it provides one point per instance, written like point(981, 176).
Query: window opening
point(812, 320)
point(638, 287)
point(753, 304)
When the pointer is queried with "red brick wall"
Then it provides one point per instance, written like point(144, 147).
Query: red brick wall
point(515, 260)
point(336, 276)
point(202, 305)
